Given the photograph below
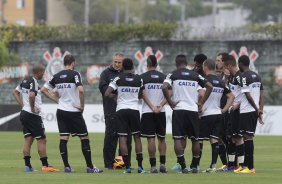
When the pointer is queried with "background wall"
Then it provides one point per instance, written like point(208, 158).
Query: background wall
point(100, 53)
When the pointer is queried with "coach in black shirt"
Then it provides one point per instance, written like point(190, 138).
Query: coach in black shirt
point(109, 106)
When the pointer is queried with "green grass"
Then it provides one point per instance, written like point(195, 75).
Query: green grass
point(268, 162)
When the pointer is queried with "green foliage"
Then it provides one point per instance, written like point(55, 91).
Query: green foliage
point(261, 10)
point(273, 90)
point(5, 56)
point(271, 31)
point(104, 32)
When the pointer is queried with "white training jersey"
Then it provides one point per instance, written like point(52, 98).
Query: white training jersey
point(65, 83)
point(28, 85)
point(251, 83)
point(128, 87)
point(185, 84)
point(212, 105)
point(153, 82)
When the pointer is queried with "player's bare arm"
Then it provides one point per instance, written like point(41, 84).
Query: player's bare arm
point(167, 95)
point(201, 102)
point(51, 96)
point(17, 96)
point(147, 101)
point(32, 102)
point(230, 99)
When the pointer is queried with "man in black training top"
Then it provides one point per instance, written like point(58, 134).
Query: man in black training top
point(251, 110)
point(211, 116)
point(68, 85)
point(109, 107)
point(28, 96)
point(129, 89)
point(153, 120)
point(185, 120)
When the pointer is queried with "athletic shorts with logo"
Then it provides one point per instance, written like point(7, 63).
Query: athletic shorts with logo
point(248, 123)
point(153, 124)
point(32, 125)
point(71, 123)
point(185, 124)
point(210, 126)
point(235, 123)
point(128, 121)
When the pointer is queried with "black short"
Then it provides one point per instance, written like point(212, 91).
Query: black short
point(210, 127)
point(226, 127)
point(153, 124)
point(235, 123)
point(71, 123)
point(32, 125)
point(248, 123)
point(128, 121)
point(185, 124)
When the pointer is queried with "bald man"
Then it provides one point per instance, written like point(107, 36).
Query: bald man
point(28, 96)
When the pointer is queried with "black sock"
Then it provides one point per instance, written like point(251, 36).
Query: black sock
point(215, 149)
point(222, 154)
point(153, 162)
point(201, 151)
point(231, 153)
point(181, 161)
point(162, 159)
point(27, 161)
point(240, 153)
point(44, 161)
point(126, 161)
point(249, 154)
point(195, 162)
point(64, 152)
point(139, 158)
point(86, 150)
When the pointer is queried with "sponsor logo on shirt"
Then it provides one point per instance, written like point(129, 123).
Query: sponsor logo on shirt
point(185, 73)
point(62, 86)
point(63, 76)
point(217, 90)
point(155, 86)
point(129, 79)
point(155, 76)
point(187, 83)
point(129, 90)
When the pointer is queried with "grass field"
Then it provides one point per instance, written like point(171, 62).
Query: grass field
point(268, 163)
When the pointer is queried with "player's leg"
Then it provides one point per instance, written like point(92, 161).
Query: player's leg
point(152, 153)
point(28, 140)
point(161, 132)
point(62, 119)
point(178, 134)
point(249, 129)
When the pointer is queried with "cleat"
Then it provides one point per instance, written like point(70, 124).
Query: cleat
point(69, 170)
point(94, 170)
point(184, 171)
point(29, 169)
point(177, 167)
point(231, 169)
point(141, 170)
point(210, 170)
point(163, 169)
point(153, 170)
point(127, 171)
point(223, 168)
point(237, 170)
point(247, 171)
point(49, 169)
point(194, 170)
